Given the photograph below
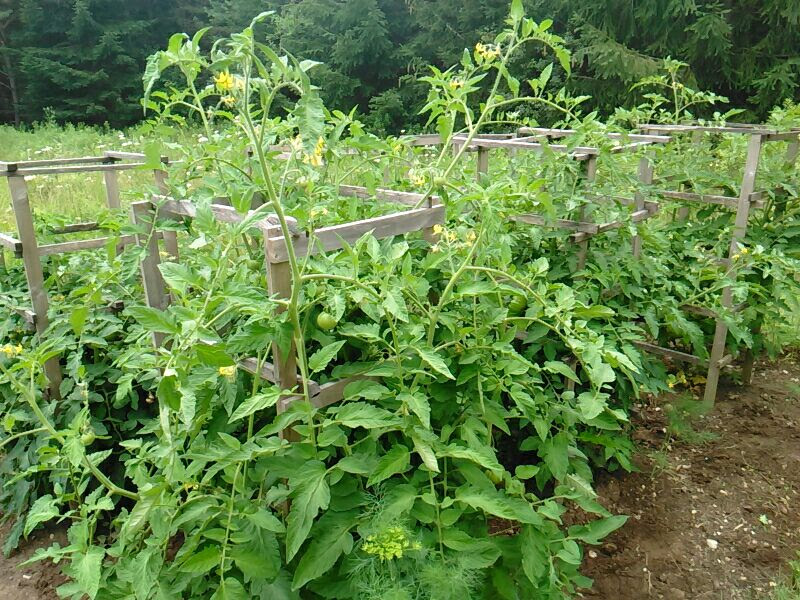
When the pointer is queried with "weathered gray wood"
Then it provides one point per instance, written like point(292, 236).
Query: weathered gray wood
point(112, 189)
point(583, 245)
point(482, 162)
point(729, 128)
point(427, 139)
point(33, 272)
point(101, 168)
point(143, 215)
point(223, 213)
point(79, 245)
point(332, 238)
point(740, 228)
point(12, 167)
point(268, 373)
point(560, 133)
point(329, 393)
point(668, 352)
point(580, 152)
point(77, 227)
point(645, 175)
point(406, 198)
point(755, 198)
point(11, 243)
point(782, 137)
point(532, 219)
point(170, 237)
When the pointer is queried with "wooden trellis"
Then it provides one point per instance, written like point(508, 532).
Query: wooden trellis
point(283, 371)
point(24, 244)
point(747, 199)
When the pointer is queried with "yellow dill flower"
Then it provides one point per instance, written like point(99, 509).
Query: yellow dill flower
point(389, 544)
point(224, 81)
point(228, 372)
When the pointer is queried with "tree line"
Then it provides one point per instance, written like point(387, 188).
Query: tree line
point(82, 60)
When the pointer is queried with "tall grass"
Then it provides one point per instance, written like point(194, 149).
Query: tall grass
point(78, 197)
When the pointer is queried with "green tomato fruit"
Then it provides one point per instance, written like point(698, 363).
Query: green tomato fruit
point(517, 305)
point(326, 322)
point(88, 438)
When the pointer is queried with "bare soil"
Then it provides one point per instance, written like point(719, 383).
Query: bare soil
point(713, 520)
point(33, 582)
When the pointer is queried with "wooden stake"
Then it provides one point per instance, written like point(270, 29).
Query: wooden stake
point(33, 272)
point(740, 228)
point(143, 214)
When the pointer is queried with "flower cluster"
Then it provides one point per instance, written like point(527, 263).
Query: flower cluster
point(11, 351)
point(315, 158)
point(487, 51)
point(742, 252)
point(416, 179)
point(228, 372)
point(225, 82)
point(389, 544)
point(456, 84)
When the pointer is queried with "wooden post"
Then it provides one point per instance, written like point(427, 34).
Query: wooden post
point(112, 189)
point(143, 215)
point(589, 177)
point(750, 356)
point(170, 237)
point(279, 282)
point(645, 174)
point(740, 228)
point(483, 162)
point(33, 272)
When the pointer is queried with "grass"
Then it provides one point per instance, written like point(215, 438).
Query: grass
point(76, 197)
point(789, 588)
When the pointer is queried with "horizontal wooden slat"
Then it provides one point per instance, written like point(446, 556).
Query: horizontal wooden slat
point(791, 136)
point(131, 156)
point(222, 212)
point(72, 169)
point(77, 227)
point(725, 361)
point(11, 167)
point(11, 243)
point(558, 133)
point(426, 139)
point(674, 354)
point(332, 238)
point(268, 373)
point(78, 245)
point(557, 223)
point(729, 201)
point(407, 198)
point(729, 128)
point(707, 312)
point(329, 393)
point(578, 151)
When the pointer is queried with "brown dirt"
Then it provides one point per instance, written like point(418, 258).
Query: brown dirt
point(33, 582)
point(696, 509)
point(685, 495)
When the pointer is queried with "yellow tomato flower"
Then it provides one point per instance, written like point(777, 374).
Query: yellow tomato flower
point(224, 81)
point(438, 229)
point(228, 372)
point(228, 100)
point(456, 83)
point(11, 351)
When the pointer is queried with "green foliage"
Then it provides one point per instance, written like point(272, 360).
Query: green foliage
point(488, 382)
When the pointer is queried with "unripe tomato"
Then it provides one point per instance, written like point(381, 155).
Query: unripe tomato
point(88, 438)
point(326, 322)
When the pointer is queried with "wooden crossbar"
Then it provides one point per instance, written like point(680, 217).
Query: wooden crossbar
point(69, 169)
point(755, 198)
point(11, 243)
point(579, 152)
point(559, 133)
point(407, 198)
point(335, 236)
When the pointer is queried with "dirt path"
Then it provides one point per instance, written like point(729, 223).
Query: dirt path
point(709, 521)
point(715, 520)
